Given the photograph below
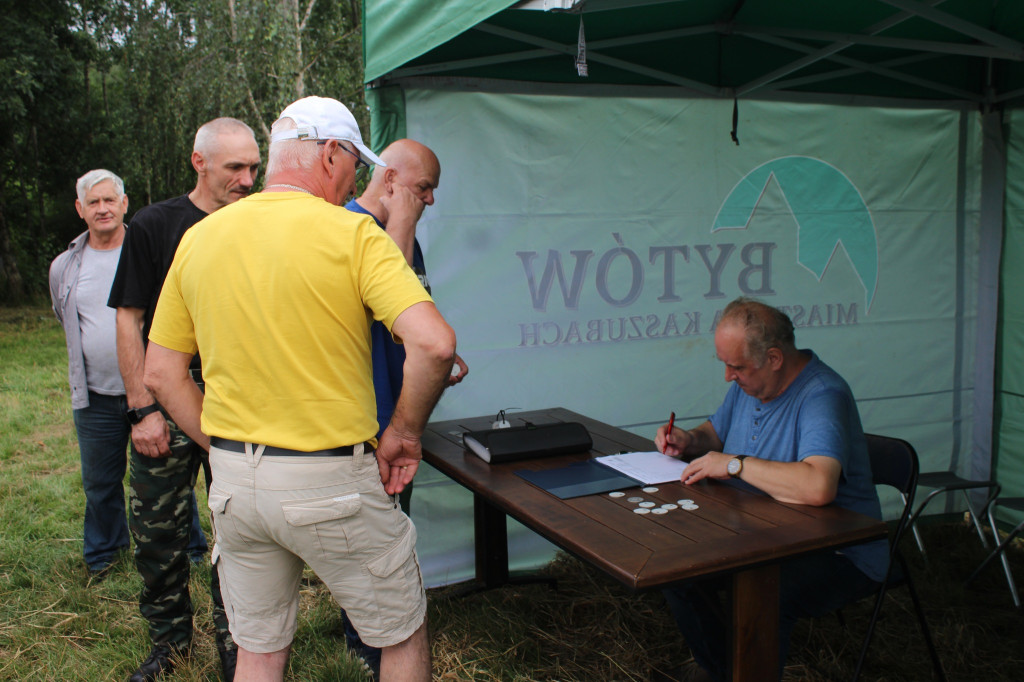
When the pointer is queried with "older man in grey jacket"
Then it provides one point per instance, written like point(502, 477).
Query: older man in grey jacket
point(80, 280)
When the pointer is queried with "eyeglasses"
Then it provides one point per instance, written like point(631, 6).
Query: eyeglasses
point(361, 166)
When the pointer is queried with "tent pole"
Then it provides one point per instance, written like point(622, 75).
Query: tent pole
point(993, 188)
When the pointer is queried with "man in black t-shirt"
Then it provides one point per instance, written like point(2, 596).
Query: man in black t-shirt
point(164, 462)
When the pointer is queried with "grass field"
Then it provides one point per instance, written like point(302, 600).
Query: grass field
point(55, 625)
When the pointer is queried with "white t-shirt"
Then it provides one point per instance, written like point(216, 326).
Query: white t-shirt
point(98, 321)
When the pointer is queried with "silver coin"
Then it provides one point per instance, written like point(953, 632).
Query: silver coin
point(690, 507)
point(634, 500)
point(617, 493)
point(641, 510)
point(683, 503)
point(670, 506)
point(646, 505)
point(650, 489)
point(659, 511)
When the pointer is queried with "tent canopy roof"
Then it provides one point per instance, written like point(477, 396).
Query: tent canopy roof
point(963, 50)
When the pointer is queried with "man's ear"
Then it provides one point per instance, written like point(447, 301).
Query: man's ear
point(327, 158)
point(775, 358)
point(124, 202)
point(78, 207)
point(389, 178)
point(199, 163)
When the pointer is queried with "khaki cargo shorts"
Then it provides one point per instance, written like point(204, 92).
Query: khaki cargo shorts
point(273, 515)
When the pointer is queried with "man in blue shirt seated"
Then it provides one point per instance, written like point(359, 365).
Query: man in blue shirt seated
point(789, 426)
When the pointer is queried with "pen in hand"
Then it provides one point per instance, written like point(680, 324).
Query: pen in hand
point(665, 444)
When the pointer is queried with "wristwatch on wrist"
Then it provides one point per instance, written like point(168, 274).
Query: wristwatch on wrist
point(735, 466)
point(137, 414)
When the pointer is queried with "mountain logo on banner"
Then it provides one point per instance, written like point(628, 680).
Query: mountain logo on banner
point(828, 209)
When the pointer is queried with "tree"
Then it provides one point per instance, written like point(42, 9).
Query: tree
point(124, 84)
point(286, 49)
point(39, 57)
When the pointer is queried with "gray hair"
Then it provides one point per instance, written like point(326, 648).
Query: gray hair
point(290, 154)
point(95, 177)
point(300, 155)
point(766, 327)
point(207, 137)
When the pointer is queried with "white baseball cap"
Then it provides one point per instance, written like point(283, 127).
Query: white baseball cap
point(323, 118)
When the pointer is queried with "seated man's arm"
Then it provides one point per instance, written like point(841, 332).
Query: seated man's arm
point(429, 353)
point(687, 444)
point(167, 376)
point(813, 480)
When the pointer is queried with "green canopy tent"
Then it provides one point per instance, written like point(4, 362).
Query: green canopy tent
point(615, 171)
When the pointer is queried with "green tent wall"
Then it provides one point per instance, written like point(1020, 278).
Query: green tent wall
point(959, 56)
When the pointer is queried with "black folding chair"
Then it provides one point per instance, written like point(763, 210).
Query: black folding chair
point(1017, 504)
point(894, 463)
point(944, 482)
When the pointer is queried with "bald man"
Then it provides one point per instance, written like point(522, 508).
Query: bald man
point(395, 198)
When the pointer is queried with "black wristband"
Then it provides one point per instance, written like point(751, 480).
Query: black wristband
point(137, 414)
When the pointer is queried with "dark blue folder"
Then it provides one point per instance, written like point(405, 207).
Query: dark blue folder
point(578, 479)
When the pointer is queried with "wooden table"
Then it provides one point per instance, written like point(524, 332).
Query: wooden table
point(735, 531)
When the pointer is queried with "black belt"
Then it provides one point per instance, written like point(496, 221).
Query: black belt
point(271, 451)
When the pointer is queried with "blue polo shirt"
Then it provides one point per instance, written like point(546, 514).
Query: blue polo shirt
point(815, 415)
point(388, 356)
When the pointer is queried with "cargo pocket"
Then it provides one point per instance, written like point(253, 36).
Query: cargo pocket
point(224, 531)
point(322, 522)
point(396, 573)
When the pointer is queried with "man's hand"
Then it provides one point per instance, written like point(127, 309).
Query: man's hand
point(711, 465)
point(402, 205)
point(813, 480)
point(673, 444)
point(463, 371)
point(152, 436)
point(398, 459)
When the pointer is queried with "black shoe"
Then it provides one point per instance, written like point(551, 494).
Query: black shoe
point(159, 661)
point(228, 659)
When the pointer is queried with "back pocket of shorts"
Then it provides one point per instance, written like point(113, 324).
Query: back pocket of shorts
point(322, 520)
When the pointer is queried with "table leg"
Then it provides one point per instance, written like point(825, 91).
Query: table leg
point(755, 624)
point(491, 543)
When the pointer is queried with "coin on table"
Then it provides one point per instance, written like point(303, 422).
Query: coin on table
point(683, 503)
point(650, 489)
point(617, 493)
point(641, 510)
point(669, 506)
point(634, 500)
point(646, 505)
point(659, 511)
point(690, 507)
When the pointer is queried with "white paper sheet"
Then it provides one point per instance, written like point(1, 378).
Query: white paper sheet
point(646, 467)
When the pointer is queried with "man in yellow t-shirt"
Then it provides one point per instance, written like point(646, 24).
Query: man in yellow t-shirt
point(277, 293)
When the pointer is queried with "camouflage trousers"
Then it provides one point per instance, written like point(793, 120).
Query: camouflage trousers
point(160, 517)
